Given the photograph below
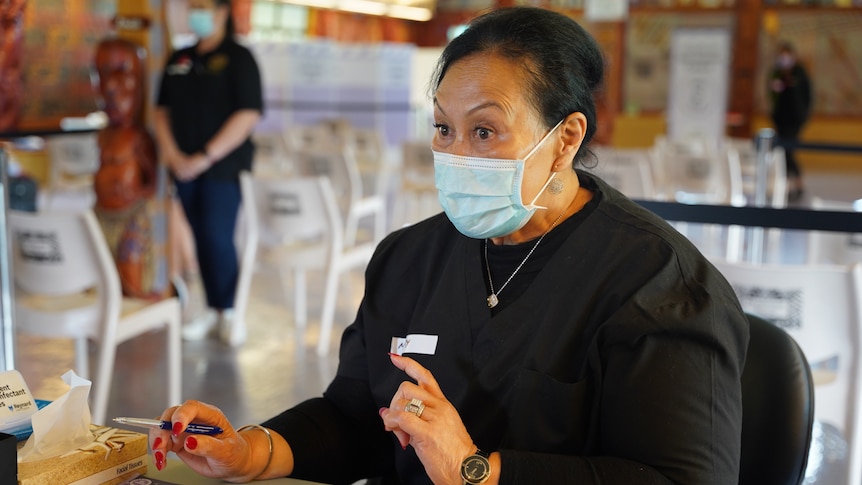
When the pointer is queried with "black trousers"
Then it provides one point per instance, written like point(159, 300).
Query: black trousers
point(789, 133)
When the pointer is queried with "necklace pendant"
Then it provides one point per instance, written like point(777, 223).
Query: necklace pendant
point(492, 300)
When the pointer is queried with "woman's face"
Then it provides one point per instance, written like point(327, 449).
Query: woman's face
point(482, 109)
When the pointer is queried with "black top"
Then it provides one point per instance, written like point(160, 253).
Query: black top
point(791, 103)
point(203, 91)
point(619, 363)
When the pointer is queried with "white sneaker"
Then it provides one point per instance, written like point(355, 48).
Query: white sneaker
point(232, 330)
point(201, 326)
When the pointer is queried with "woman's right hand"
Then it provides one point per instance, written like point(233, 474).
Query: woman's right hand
point(227, 456)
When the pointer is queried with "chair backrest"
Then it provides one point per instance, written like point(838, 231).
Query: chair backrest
point(627, 170)
point(272, 153)
point(341, 171)
point(834, 247)
point(697, 173)
point(290, 209)
point(417, 166)
point(367, 149)
point(73, 155)
point(777, 406)
point(65, 254)
point(59, 253)
point(820, 307)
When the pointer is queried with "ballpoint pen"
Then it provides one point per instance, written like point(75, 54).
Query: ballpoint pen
point(193, 428)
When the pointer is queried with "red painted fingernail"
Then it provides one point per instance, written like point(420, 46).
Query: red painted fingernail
point(178, 428)
point(160, 460)
point(381, 411)
point(157, 442)
point(191, 443)
point(393, 353)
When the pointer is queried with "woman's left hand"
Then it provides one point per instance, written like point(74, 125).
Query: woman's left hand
point(438, 435)
point(193, 165)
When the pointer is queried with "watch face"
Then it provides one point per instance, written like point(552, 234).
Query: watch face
point(475, 469)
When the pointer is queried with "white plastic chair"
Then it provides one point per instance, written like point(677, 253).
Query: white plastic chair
point(339, 165)
point(272, 153)
point(820, 306)
point(295, 224)
point(367, 148)
point(67, 285)
point(74, 160)
point(834, 247)
point(627, 170)
point(698, 171)
point(418, 197)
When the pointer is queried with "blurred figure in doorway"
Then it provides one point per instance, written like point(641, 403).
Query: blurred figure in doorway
point(790, 93)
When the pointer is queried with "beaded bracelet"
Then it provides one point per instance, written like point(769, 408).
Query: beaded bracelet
point(268, 436)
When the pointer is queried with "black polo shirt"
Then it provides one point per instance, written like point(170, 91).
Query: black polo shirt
point(202, 91)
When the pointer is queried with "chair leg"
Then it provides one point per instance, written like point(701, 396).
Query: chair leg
point(380, 225)
point(328, 314)
point(175, 371)
point(82, 358)
point(350, 228)
point(102, 382)
point(300, 293)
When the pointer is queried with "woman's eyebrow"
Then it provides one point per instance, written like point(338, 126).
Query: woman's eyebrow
point(489, 104)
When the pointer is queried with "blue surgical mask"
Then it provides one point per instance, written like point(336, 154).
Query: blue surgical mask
point(482, 196)
point(202, 22)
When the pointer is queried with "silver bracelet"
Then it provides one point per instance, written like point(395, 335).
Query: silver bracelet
point(268, 437)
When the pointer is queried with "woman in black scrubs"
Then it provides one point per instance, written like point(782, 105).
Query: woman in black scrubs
point(544, 329)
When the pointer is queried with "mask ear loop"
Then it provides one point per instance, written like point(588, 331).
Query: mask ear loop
point(553, 174)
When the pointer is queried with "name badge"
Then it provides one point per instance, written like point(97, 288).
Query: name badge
point(416, 343)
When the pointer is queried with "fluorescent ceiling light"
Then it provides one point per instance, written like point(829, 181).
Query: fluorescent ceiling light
point(362, 6)
point(404, 9)
point(410, 13)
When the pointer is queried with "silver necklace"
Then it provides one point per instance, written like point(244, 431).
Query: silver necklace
point(492, 299)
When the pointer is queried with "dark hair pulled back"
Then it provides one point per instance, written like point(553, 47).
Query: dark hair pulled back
point(563, 62)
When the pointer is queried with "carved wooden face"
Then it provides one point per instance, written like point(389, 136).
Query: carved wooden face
point(120, 70)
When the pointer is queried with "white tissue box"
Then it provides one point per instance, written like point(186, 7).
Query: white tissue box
point(114, 455)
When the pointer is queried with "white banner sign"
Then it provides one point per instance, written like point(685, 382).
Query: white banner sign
point(699, 72)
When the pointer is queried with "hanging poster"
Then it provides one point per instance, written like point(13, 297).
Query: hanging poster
point(699, 70)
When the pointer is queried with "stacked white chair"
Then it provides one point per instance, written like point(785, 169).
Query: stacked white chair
point(627, 170)
point(699, 171)
point(834, 247)
point(339, 165)
point(294, 224)
point(820, 306)
point(67, 285)
point(417, 198)
point(74, 160)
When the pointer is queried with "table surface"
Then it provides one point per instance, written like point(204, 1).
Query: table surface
point(177, 472)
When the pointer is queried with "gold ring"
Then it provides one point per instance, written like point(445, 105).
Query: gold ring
point(415, 406)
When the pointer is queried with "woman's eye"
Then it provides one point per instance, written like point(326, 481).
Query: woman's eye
point(483, 133)
point(442, 129)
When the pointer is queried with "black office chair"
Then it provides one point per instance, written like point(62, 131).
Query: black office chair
point(778, 408)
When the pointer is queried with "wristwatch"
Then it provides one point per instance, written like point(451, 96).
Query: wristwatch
point(476, 468)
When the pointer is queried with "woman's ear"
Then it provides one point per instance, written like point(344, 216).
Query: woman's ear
point(572, 132)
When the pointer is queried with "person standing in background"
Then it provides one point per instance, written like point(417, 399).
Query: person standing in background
point(209, 101)
point(790, 91)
